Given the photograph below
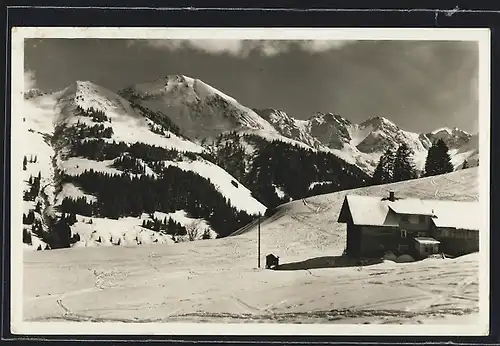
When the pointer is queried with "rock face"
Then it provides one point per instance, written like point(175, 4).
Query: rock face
point(331, 130)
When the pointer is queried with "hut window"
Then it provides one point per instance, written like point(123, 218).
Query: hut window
point(404, 217)
point(414, 219)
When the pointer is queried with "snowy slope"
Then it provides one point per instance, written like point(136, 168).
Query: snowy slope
point(239, 195)
point(130, 127)
point(37, 134)
point(46, 115)
point(128, 124)
point(320, 213)
point(189, 282)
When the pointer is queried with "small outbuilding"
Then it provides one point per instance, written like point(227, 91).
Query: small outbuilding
point(272, 261)
point(425, 246)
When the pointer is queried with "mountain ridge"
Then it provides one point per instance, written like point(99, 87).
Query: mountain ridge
point(365, 142)
point(147, 137)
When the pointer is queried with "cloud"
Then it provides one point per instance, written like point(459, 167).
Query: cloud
point(242, 48)
point(29, 80)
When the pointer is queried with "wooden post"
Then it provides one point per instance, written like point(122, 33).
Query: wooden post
point(258, 252)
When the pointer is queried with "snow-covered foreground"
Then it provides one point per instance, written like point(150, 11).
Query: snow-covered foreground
point(207, 283)
point(218, 280)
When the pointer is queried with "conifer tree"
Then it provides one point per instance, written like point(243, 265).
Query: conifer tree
point(404, 168)
point(385, 169)
point(438, 159)
point(25, 162)
point(465, 165)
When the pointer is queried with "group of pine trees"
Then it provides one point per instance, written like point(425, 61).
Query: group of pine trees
point(34, 188)
point(129, 164)
point(31, 160)
point(30, 218)
point(99, 149)
point(229, 153)
point(80, 206)
point(59, 234)
point(96, 131)
point(281, 165)
point(95, 114)
point(395, 165)
point(170, 227)
point(159, 130)
point(175, 189)
point(398, 165)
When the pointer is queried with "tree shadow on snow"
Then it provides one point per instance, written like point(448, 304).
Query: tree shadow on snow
point(327, 262)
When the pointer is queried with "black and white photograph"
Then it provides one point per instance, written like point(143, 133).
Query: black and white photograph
point(204, 181)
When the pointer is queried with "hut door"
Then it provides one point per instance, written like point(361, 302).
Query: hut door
point(403, 234)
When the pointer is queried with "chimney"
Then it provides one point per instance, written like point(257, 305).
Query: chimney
point(392, 198)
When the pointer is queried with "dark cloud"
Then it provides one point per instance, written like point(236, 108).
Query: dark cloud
point(419, 85)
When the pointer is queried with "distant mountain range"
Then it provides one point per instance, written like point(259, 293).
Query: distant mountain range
point(363, 144)
point(202, 111)
point(156, 160)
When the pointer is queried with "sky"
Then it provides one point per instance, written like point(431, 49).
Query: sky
point(419, 85)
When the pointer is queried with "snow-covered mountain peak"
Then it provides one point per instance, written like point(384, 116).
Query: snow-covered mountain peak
point(378, 122)
point(455, 138)
point(442, 129)
point(455, 131)
point(198, 109)
point(320, 117)
point(184, 88)
point(88, 95)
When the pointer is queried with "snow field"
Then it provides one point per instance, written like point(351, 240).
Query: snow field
point(217, 280)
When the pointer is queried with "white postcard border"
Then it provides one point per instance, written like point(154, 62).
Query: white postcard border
point(18, 326)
